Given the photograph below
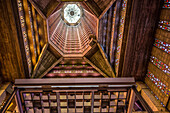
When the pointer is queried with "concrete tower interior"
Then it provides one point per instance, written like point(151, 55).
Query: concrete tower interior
point(84, 56)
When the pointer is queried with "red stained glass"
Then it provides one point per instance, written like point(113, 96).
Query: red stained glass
point(162, 45)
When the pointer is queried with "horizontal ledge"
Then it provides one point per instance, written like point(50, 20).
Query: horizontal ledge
point(78, 86)
point(76, 81)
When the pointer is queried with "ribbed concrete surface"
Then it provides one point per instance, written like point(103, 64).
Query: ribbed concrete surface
point(71, 39)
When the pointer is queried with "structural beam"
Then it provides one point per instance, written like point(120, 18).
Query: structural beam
point(52, 66)
point(94, 7)
point(95, 67)
point(39, 60)
point(37, 8)
point(107, 8)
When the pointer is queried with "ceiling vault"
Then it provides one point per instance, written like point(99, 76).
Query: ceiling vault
point(96, 45)
point(53, 26)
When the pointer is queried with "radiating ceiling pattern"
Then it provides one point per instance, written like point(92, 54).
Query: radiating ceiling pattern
point(68, 43)
point(72, 40)
point(46, 39)
point(25, 22)
point(75, 41)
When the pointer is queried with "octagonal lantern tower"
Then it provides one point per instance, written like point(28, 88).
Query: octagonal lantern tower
point(70, 29)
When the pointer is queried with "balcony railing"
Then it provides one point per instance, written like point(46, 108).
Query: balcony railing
point(75, 95)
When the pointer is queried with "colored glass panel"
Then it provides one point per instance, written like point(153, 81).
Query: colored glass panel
point(162, 66)
point(162, 45)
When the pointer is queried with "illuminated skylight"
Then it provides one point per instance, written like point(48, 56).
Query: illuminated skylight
point(72, 13)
